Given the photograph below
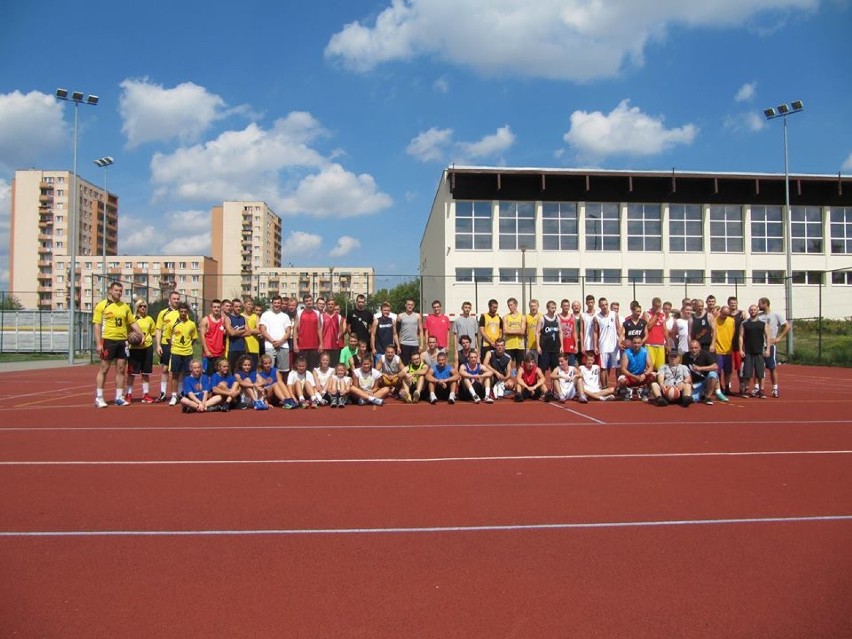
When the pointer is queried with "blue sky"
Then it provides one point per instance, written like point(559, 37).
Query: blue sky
point(342, 114)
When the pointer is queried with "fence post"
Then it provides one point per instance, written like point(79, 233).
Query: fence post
point(475, 294)
point(819, 325)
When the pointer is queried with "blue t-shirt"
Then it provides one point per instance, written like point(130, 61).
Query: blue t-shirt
point(637, 362)
point(237, 344)
point(437, 373)
point(251, 376)
point(269, 378)
point(196, 385)
point(216, 379)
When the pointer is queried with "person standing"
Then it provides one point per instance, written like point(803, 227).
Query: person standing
point(437, 324)
point(568, 332)
point(184, 336)
point(755, 348)
point(359, 320)
point(549, 342)
point(656, 342)
point(235, 327)
point(275, 328)
point(308, 332)
point(212, 330)
point(112, 318)
point(165, 320)
point(778, 329)
point(490, 328)
point(466, 324)
point(608, 334)
point(409, 327)
point(383, 333)
point(332, 331)
point(723, 346)
point(252, 333)
point(531, 319)
point(141, 356)
point(702, 328)
point(514, 331)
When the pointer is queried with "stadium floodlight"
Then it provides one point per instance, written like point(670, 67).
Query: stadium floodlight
point(73, 222)
point(104, 162)
point(782, 111)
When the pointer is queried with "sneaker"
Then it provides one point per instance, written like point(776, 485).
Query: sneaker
point(258, 405)
point(489, 400)
point(416, 397)
point(173, 401)
point(408, 398)
point(662, 401)
point(333, 402)
point(147, 399)
point(757, 392)
point(775, 393)
point(128, 398)
point(120, 401)
point(313, 403)
point(100, 403)
point(161, 398)
point(433, 400)
point(303, 403)
point(451, 400)
point(225, 407)
point(761, 395)
point(608, 398)
point(721, 397)
point(362, 401)
point(686, 400)
point(343, 401)
point(583, 399)
point(476, 399)
point(377, 401)
point(628, 394)
point(643, 395)
point(708, 401)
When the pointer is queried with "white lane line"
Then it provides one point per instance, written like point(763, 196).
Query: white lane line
point(574, 412)
point(246, 427)
point(421, 460)
point(428, 529)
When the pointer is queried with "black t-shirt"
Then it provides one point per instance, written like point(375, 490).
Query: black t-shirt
point(634, 329)
point(500, 362)
point(551, 335)
point(754, 332)
point(739, 318)
point(360, 323)
point(701, 330)
point(702, 359)
point(384, 333)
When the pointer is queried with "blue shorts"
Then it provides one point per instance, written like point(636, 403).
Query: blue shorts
point(725, 363)
point(179, 364)
point(772, 361)
point(698, 387)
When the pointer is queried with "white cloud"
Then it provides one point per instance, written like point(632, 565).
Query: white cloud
point(438, 145)
point(561, 39)
point(441, 85)
point(300, 244)
point(345, 245)
point(746, 121)
point(623, 131)
point(152, 113)
point(177, 233)
point(276, 165)
point(847, 165)
point(30, 124)
point(746, 92)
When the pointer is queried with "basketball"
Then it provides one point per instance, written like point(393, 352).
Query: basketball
point(672, 393)
point(135, 338)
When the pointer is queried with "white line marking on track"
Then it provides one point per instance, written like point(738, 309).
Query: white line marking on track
point(574, 412)
point(421, 460)
point(429, 529)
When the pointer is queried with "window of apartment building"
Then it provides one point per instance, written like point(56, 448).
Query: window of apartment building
point(60, 219)
point(155, 266)
point(841, 230)
point(59, 244)
point(143, 265)
point(182, 265)
point(88, 265)
point(644, 276)
point(474, 274)
point(726, 229)
point(128, 265)
point(559, 226)
point(59, 206)
point(113, 264)
point(644, 227)
point(194, 266)
point(473, 225)
point(560, 275)
point(767, 277)
point(603, 276)
point(808, 277)
point(727, 277)
point(806, 229)
point(512, 275)
point(767, 229)
point(182, 279)
point(60, 192)
point(686, 229)
point(686, 276)
point(60, 232)
point(170, 265)
point(602, 227)
point(517, 225)
point(842, 278)
point(60, 278)
point(195, 279)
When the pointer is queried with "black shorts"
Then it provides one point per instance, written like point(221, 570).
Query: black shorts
point(406, 351)
point(141, 360)
point(179, 364)
point(166, 356)
point(548, 360)
point(114, 349)
point(210, 364)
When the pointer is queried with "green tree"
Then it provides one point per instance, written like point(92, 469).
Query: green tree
point(10, 303)
point(396, 296)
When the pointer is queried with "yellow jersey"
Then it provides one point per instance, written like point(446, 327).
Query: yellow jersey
point(512, 331)
point(114, 318)
point(724, 335)
point(532, 331)
point(492, 327)
point(252, 343)
point(184, 335)
point(148, 327)
point(165, 321)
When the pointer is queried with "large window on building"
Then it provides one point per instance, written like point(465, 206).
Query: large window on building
point(645, 276)
point(806, 229)
point(686, 229)
point(686, 276)
point(767, 277)
point(841, 230)
point(512, 275)
point(726, 229)
point(560, 275)
point(473, 274)
point(644, 227)
point(767, 229)
point(603, 276)
point(517, 226)
point(473, 226)
point(842, 278)
point(808, 277)
point(603, 231)
point(727, 277)
point(559, 226)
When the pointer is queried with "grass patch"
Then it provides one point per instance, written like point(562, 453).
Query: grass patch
point(826, 343)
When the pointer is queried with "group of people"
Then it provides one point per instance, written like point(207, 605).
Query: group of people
point(309, 354)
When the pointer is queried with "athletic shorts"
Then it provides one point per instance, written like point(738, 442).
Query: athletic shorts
point(114, 349)
point(772, 361)
point(737, 362)
point(406, 351)
point(141, 360)
point(698, 387)
point(548, 361)
point(180, 364)
point(166, 356)
point(725, 363)
point(442, 393)
point(753, 366)
point(517, 354)
point(280, 357)
point(658, 355)
point(610, 360)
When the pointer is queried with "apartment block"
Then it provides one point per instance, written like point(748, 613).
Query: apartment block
point(41, 231)
point(316, 281)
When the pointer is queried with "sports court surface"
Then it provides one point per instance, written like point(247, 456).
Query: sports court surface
point(511, 520)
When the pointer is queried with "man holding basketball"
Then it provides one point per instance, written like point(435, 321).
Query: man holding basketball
point(112, 318)
point(674, 382)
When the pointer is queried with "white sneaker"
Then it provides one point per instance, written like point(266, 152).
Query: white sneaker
point(100, 403)
point(476, 399)
point(120, 401)
point(173, 401)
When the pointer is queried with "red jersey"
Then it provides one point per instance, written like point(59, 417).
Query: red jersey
point(567, 328)
point(439, 326)
point(332, 338)
point(656, 329)
point(308, 326)
point(214, 336)
point(529, 375)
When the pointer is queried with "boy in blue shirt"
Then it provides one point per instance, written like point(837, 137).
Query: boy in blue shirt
point(196, 391)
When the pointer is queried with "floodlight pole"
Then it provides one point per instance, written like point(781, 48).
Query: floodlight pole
point(92, 100)
point(782, 111)
point(104, 163)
